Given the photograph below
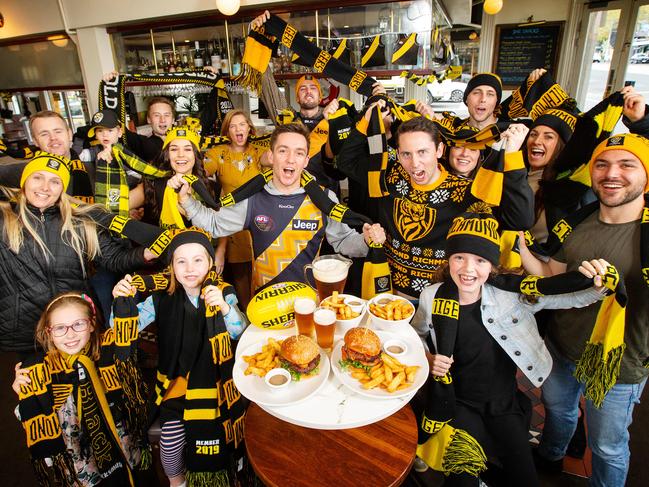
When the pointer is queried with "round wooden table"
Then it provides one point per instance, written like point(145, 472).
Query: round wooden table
point(283, 454)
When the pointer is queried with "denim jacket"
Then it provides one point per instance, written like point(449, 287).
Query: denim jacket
point(509, 319)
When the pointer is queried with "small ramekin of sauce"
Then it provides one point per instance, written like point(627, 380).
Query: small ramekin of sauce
point(395, 348)
point(277, 379)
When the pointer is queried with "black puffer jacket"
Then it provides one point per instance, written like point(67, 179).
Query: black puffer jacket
point(28, 281)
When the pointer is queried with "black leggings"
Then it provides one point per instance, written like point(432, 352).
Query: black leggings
point(503, 436)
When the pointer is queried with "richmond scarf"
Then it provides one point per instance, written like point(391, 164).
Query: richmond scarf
point(111, 187)
point(533, 98)
point(262, 42)
point(170, 216)
point(104, 392)
point(111, 94)
point(456, 451)
point(450, 73)
point(212, 408)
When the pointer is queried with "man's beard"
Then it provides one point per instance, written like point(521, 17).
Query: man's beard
point(632, 194)
point(309, 105)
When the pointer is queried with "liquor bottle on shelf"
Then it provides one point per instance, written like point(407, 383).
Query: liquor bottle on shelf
point(171, 66)
point(216, 58)
point(236, 62)
point(207, 60)
point(198, 56)
point(206, 56)
point(185, 61)
point(225, 65)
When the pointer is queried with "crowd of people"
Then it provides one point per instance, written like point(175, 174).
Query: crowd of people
point(104, 236)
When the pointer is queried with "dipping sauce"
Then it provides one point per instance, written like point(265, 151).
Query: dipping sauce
point(278, 380)
point(383, 301)
point(354, 303)
point(391, 349)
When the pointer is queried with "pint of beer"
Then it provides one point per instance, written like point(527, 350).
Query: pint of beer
point(304, 308)
point(325, 325)
point(330, 275)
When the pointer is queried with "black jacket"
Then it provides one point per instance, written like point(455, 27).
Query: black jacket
point(28, 281)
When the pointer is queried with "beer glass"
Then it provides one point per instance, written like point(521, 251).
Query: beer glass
point(329, 273)
point(325, 325)
point(304, 308)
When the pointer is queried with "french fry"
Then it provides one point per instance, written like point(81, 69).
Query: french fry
point(373, 383)
point(402, 386)
point(400, 377)
point(388, 373)
point(359, 375)
point(257, 371)
point(377, 373)
point(396, 309)
point(411, 372)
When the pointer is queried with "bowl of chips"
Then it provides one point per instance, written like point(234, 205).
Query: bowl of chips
point(389, 312)
point(349, 310)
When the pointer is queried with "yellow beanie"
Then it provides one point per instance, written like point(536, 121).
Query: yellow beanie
point(44, 161)
point(308, 77)
point(182, 132)
point(635, 144)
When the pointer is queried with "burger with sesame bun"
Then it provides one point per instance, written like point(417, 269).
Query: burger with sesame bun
point(300, 356)
point(362, 349)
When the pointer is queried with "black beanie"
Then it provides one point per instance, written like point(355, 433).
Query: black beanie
point(475, 232)
point(488, 79)
point(186, 236)
point(562, 122)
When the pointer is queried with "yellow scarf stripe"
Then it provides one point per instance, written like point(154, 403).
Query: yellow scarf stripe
point(42, 427)
point(404, 48)
point(371, 50)
point(201, 414)
point(340, 49)
point(338, 212)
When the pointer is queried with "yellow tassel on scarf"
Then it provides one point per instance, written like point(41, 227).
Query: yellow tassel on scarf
point(453, 450)
point(599, 365)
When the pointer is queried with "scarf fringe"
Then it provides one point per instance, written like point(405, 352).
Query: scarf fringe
point(62, 469)
point(599, 371)
point(250, 78)
point(146, 458)
point(135, 392)
point(208, 479)
point(464, 454)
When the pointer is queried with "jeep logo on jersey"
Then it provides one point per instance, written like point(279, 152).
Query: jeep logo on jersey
point(310, 225)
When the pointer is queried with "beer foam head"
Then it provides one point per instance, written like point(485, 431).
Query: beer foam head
point(330, 270)
point(304, 306)
point(324, 316)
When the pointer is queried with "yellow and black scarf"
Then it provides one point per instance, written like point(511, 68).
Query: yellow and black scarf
point(170, 216)
point(262, 42)
point(107, 392)
point(112, 94)
point(533, 98)
point(455, 450)
point(450, 73)
point(212, 406)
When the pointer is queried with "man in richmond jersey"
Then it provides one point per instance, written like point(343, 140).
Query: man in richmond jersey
point(419, 198)
point(286, 227)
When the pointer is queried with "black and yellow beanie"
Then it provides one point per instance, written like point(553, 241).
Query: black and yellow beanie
point(475, 232)
point(44, 161)
point(182, 132)
point(489, 79)
point(562, 122)
point(189, 235)
point(635, 144)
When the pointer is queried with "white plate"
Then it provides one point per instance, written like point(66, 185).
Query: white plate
point(414, 356)
point(254, 388)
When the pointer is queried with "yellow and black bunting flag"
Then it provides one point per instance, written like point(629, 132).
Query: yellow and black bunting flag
point(372, 52)
point(340, 51)
point(260, 44)
point(406, 50)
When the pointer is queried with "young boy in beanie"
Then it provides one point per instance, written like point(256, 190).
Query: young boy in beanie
point(480, 334)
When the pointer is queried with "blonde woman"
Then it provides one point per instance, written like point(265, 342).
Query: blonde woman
point(47, 248)
point(234, 164)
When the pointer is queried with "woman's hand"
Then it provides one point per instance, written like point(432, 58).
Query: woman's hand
point(213, 296)
point(124, 288)
point(425, 109)
point(634, 105)
point(514, 136)
point(22, 378)
point(595, 269)
point(378, 89)
point(368, 113)
point(439, 364)
point(110, 76)
point(536, 74)
point(180, 185)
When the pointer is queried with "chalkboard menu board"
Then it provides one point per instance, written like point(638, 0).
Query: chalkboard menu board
point(520, 49)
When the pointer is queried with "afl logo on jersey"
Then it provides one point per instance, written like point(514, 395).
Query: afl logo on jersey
point(264, 223)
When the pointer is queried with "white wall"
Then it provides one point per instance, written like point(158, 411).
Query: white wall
point(27, 17)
